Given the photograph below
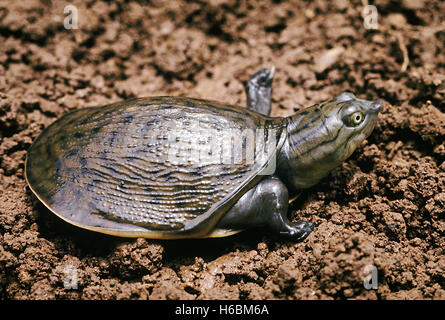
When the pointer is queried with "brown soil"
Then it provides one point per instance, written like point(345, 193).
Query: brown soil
point(383, 207)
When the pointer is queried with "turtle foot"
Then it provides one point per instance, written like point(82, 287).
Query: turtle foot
point(263, 78)
point(298, 231)
point(259, 91)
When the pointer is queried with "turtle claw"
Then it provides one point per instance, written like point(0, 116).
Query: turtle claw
point(263, 78)
point(298, 231)
point(259, 91)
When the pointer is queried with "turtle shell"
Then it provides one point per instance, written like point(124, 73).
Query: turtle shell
point(159, 167)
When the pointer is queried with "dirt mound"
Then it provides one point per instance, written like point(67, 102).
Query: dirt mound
point(384, 207)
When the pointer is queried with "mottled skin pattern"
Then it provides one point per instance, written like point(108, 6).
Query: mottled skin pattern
point(170, 168)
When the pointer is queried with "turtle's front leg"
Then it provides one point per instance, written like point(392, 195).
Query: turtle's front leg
point(266, 205)
point(259, 91)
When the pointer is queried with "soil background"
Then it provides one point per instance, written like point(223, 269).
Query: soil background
point(383, 207)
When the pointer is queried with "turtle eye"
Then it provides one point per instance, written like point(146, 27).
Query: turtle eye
point(354, 119)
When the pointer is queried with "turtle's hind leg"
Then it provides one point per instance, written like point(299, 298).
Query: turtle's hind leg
point(259, 91)
point(265, 205)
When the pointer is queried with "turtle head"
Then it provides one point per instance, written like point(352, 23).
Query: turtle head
point(321, 137)
point(356, 118)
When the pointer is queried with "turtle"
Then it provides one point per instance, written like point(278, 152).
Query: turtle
point(167, 167)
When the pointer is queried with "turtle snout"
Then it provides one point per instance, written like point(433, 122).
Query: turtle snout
point(376, 106)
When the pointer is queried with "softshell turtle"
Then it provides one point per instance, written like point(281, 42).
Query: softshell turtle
point(174, 167)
